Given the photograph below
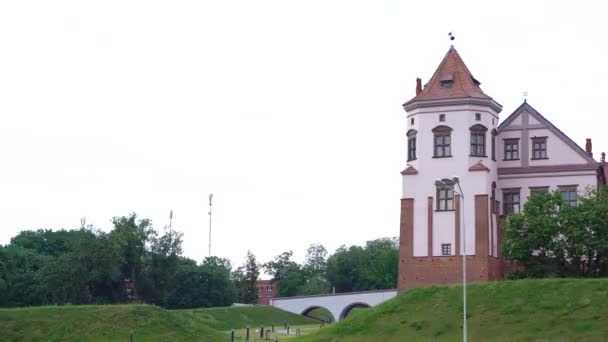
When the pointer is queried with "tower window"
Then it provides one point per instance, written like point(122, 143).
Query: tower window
point(510, 201)
point(411, 121)
point(442, 117)
point(442, 142)
point(539, 148)
point(477, 117)
point(411, 144)
point(478, 141)
point(511, 149)
point(446, 249)
point(445, 199)
point(494, 134)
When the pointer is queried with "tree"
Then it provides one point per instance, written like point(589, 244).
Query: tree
point(316, 260)
point(134, 234)
point(382, 263)
point(246, 280)
point(346, 269)
point(280, 265)
point(162, 264)
point(552, 238)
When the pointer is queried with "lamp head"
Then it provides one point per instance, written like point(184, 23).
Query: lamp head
point(448, 181)
point(456, 179)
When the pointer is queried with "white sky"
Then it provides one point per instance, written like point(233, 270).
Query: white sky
point(289, 112)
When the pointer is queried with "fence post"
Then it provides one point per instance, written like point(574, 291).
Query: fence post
point(262, 332)
point(232, 335)
point(247, 334)
point(288, 330)
point(131, 337)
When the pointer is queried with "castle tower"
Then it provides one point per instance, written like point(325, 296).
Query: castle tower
point(451, 130)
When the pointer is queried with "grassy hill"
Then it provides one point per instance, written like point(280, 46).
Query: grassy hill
point(147, 322)
point(524, 310)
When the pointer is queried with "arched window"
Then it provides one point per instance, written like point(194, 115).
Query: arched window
point(442, 142)
point(411, 144)
point(478, 140)
point(494, 134)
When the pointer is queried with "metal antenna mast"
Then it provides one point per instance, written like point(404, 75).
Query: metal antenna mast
point(210, 201)
point(170, 219)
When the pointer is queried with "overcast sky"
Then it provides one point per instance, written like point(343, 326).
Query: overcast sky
point(288, 111)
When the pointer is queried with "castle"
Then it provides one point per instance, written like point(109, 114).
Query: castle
point(452, 129)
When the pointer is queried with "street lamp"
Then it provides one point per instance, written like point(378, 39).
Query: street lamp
point(449, 184)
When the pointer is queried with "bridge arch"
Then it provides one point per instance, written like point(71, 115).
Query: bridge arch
point(312, 307)
point(351, 306)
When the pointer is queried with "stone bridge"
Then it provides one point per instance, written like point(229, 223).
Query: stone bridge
point(339, 304)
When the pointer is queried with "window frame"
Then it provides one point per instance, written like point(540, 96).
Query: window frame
point(494, 135)
point(444, 134)
point(571, 190)
point(444, 201)
point(511, 142)
point(411, 144)
point(446, 249)
point(508, 202)
point(542, 148)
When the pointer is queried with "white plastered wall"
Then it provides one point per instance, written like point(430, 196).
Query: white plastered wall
point(421, 186)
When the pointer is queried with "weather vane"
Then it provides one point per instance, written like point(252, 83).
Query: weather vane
point(452, 36)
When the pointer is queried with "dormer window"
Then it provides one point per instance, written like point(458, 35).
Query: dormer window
point(447, 80)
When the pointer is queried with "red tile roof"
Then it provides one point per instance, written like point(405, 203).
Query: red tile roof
point(463, 83)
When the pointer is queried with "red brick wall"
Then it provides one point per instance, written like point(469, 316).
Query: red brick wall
point(263, 295)
point(431, 270)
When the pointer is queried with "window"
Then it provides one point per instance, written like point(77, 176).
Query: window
point(538, 190)
point(511, 149)
point(411, 144)
point(510, 201)
point(445, 199)
point(569, 194)
point(442, 117)
point(442, 142)
point(539, 148)
point(477, 117)
point(478, 141)
point(259, 289)
point(446, 249)
point(411, 121)
point(493, 200)
point(269, 289)
point(494, 134)
point(447, 80)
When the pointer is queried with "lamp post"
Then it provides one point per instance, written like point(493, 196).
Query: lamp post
point(449, 184)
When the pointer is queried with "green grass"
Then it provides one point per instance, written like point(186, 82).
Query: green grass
point(147, 322)
point(322, 314)
point(524, 310)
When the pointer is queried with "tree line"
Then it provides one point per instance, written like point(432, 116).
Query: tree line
point(136, 263)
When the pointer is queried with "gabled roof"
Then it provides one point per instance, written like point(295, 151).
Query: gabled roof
point(463, 85)
point(525, 106)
